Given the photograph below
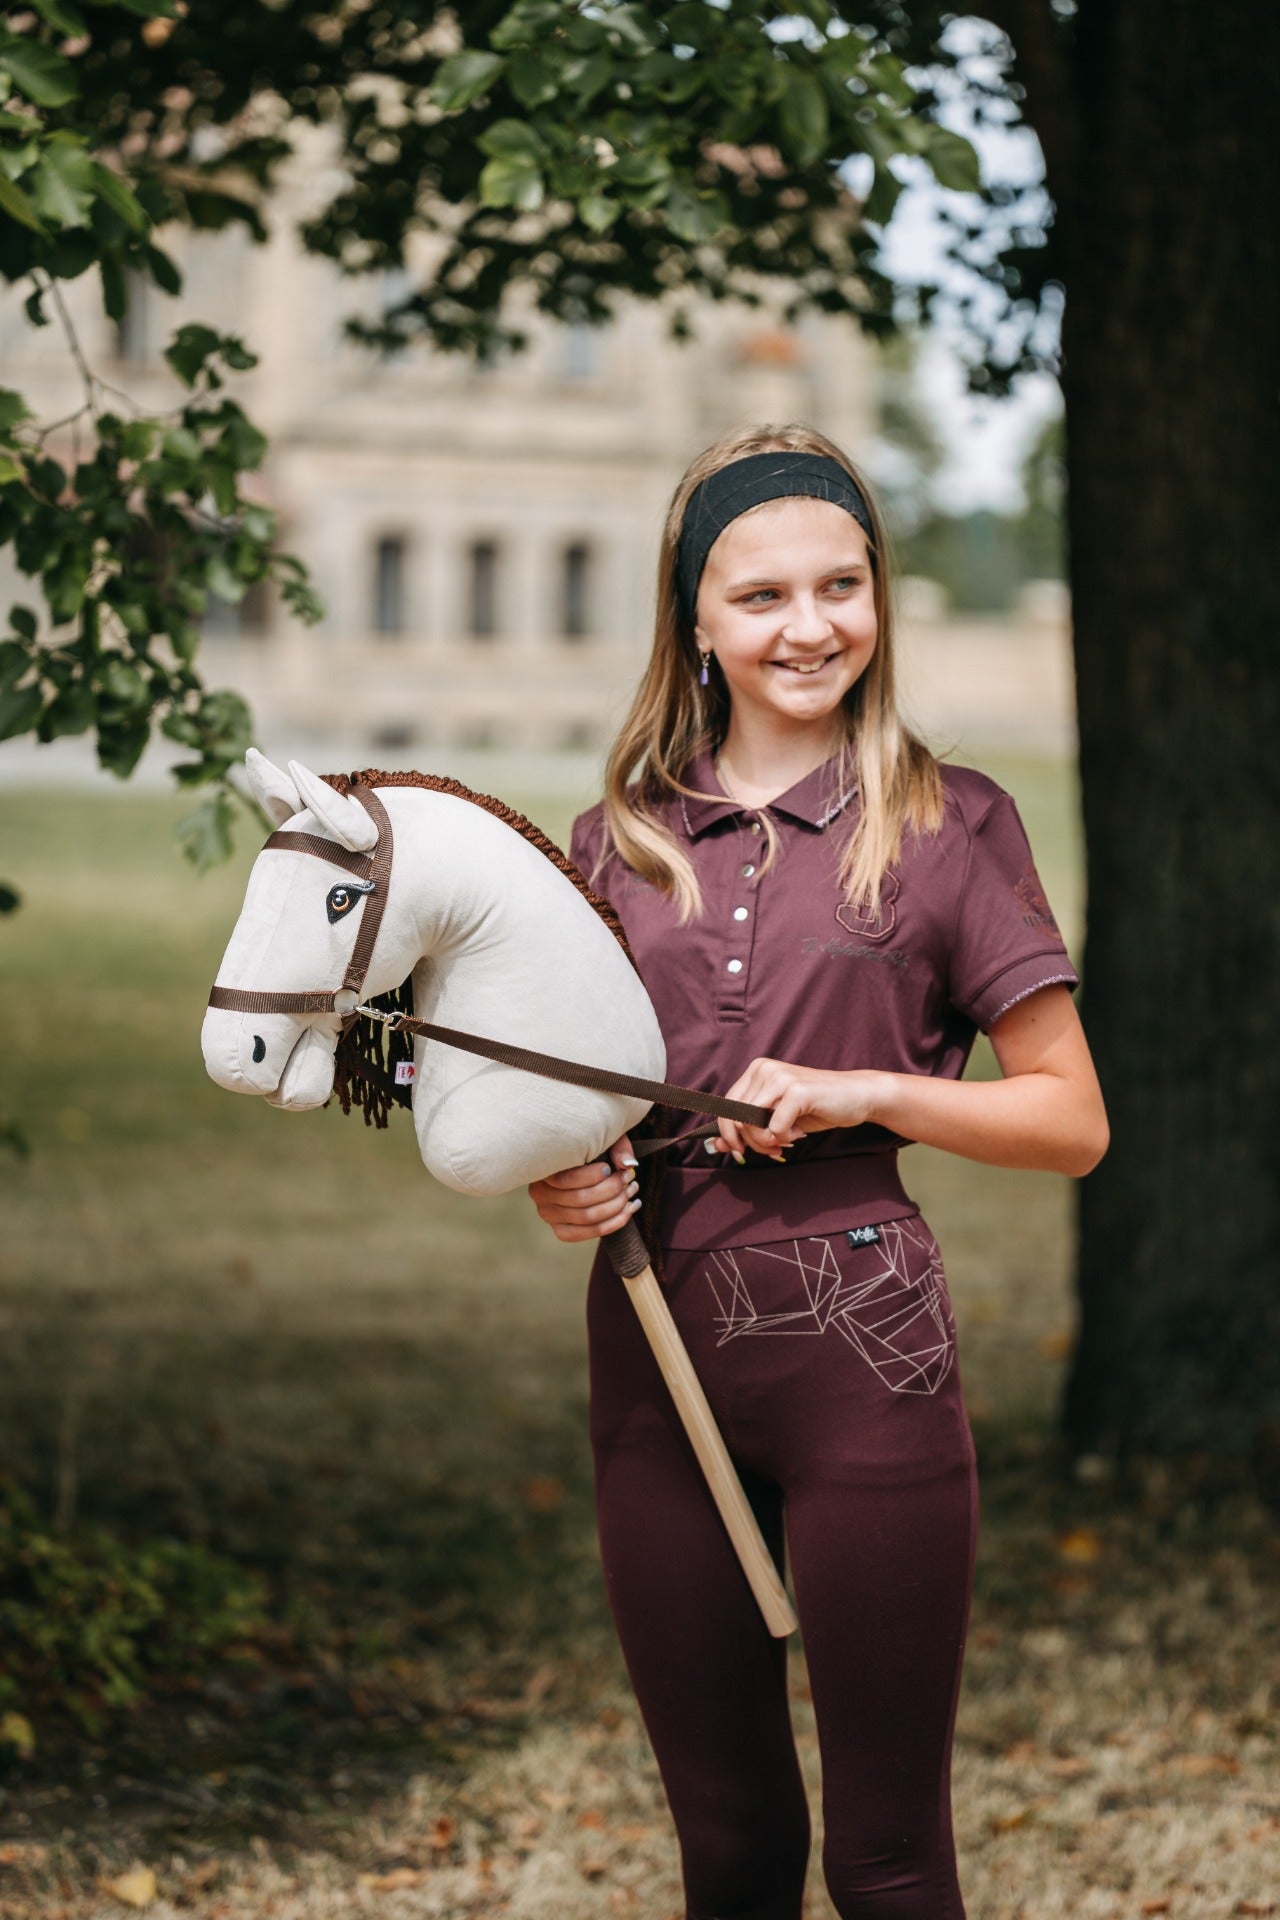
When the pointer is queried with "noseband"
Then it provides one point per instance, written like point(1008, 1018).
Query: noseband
point(374, 869)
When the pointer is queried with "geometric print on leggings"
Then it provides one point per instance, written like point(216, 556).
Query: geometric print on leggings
point(897, 1319)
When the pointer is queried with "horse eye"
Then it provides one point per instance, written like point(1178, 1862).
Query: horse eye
point(338, 903)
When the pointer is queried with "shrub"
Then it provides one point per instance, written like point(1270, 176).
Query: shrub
point(86, 1620)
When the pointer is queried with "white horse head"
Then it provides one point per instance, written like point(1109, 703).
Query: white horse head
point(498, 941)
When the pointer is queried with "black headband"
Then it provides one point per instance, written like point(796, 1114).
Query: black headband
point(748, 483)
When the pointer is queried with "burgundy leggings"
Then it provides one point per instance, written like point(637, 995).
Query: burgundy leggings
point(831, 1370)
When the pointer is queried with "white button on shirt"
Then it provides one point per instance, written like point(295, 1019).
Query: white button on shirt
point(734, 966)
point(739, 913)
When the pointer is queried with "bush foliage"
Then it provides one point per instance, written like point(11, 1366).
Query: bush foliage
point(86, 1620)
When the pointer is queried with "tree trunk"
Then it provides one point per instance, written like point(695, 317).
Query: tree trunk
point(1168, 231)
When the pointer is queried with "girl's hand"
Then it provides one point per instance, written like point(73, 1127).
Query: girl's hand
point(582, 1203)
point(802, 1099)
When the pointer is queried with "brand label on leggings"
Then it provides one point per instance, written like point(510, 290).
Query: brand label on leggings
point(863, 1236)
point(404, 1076)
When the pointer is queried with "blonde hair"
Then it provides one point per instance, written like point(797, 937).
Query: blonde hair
point(672, 717)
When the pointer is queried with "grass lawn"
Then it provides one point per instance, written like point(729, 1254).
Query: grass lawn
point(273, 1334)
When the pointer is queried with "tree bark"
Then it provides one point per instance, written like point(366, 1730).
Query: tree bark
point(1167, 231)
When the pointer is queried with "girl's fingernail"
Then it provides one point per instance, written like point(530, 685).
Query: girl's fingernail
point(741, 1159)
point(710, 1146)
point(634, 1204)
point(633, 1187)
point(629, 1160)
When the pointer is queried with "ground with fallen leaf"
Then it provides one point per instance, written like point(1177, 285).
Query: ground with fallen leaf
point(276, 1336)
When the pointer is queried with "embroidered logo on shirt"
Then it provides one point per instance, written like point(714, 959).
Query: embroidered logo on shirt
point(862, 1236)
point(873, 926)
point(850, 950)
point(1033, 906)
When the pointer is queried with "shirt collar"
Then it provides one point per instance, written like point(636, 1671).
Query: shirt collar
point(813, 802)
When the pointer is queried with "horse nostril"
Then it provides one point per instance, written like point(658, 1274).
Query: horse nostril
point(259, 1049)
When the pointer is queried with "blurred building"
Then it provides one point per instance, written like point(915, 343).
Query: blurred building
point(485, 539)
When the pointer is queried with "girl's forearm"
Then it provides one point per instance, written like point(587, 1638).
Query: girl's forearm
point(1030, 1120)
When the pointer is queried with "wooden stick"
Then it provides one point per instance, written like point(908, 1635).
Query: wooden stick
point(631, 1262)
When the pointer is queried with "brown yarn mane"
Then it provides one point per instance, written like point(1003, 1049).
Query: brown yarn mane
point(363, 1077)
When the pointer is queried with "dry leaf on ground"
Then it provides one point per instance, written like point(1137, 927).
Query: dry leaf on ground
point(134, 1888)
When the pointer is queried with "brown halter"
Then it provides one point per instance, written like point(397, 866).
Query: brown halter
point(375, 868)
point(372, 868)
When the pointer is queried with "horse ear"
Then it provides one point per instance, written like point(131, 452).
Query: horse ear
point(274, 791)
point(345, 818)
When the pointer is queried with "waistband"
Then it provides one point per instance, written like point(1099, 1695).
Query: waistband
point(732, 1206)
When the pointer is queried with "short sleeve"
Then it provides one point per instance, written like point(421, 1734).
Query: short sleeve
point(1006, 943)
point(584, 840)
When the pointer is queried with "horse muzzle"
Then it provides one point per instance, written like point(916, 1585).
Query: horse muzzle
point(285, 1057)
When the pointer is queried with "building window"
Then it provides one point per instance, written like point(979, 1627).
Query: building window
point(580, 355)
point(134, 328)
point(388, 585)
point(255, 610)
point(248, 618)
point(575, 588)
point(482, 594)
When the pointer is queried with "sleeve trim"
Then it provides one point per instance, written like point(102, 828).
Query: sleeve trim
point(1025, 993)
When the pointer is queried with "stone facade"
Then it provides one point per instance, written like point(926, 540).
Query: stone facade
point(485, 539)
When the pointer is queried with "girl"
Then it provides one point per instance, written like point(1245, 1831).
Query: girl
point(824, 916)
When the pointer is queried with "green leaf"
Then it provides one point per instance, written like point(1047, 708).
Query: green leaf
point(23, 621)
point(695, 218)
point(14, 662)
point(163, 270)
point(70, 713)
point(62, 184)
point(463, 77)
point(598, 212)
point(188, 350)
point(115, 292)
point(62, 15)
point(883, 197)
point(71, 252)
point(121, 747)
point(20, 708)
point(16, 204)
point(120, 197)
point(594, 74)
point(43, 75)
point(122, 683)
point(953, 160)
point(205, 833)
point(181, 444)
point(515, 137)
point(10, 898)
point(511, 180)
point(885, 75)
point(10, 469)
point(183, 728)
point(13, 409)
point(222, 580)
point(803, 116)
point(532, 79)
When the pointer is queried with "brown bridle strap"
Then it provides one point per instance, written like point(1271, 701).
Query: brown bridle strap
point(374, 868)
point(359, 864)
point(242, 1000)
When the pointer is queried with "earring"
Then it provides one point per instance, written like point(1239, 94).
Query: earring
point(704, 677)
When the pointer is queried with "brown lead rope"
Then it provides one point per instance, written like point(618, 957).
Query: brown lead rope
point(575, 1073)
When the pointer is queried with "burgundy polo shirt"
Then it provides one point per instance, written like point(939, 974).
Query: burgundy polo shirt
point(777, 965)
